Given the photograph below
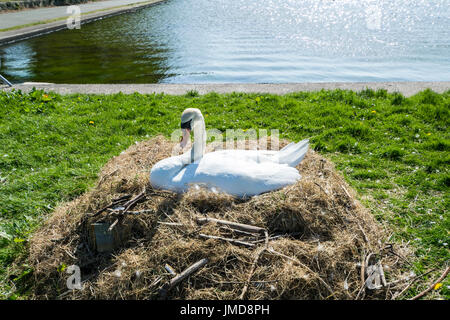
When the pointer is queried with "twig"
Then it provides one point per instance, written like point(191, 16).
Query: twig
point(128, 205)
point(425, 292)
point(170, 270)
point(346, 192)
point(181, 276)
point(171, 223)
point(255, 261)
point(412, 278)
point(363, 233)
point(59, 239)
point(278, 236)
point(113, 225)
point(239, 282)
point(123, 198)
point(112, 204)
point(119, 212)
point(381, 271)
point(245, 233)
point(157, 192)
point(352, 203)
point(368, 261)
point(321, 188)
point(69, 254)
point(107, 176)
point(395, 296)
point(363, 276)
point(135, 200)
point(238, 242)
point(365, 269)
point(233, 225)
point(391, 250)
point(156, 281)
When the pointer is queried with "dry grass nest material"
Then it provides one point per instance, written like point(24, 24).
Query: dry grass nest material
point(321, 240)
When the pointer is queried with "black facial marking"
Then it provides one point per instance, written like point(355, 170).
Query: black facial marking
point(186, 125)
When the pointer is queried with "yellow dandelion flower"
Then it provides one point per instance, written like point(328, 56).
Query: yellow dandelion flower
point(429, 134)
point(437, 286)
point(373, 111)
point(91, 122)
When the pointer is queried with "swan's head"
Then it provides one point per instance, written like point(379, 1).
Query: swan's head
point(188, 120)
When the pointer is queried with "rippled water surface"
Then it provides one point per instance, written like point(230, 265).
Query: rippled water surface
point(199, 41)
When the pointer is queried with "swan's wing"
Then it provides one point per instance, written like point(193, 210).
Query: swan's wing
point(287, 146)
point(237, 172)
point(291, 155)
point(242, 177)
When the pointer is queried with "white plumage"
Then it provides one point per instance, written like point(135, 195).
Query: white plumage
point(241, 173)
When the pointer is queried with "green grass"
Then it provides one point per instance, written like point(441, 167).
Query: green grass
point(393, 150)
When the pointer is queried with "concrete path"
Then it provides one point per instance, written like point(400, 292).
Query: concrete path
point(14, 19)
point(406, 88)
point(40, 16)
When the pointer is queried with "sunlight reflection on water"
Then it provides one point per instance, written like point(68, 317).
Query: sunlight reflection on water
point(187, 41)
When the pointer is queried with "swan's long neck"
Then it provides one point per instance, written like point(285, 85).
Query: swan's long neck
point(199, 146)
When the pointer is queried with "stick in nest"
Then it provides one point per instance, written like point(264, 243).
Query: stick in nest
point(234, 241)
point(252, 270)
point(180, 277)
point(426, 291)
point(113, 225)
point(412, 280)
point(135, 200)
point(128, 205)
point(348, 196)
point(363, 273)
point(112, 204)
point(234, 225)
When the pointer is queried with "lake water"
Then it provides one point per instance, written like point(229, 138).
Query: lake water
point(276, 41)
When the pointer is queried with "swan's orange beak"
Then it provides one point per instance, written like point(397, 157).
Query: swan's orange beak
point(185, 138)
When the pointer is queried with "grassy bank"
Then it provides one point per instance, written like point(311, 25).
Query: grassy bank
point(393, 150)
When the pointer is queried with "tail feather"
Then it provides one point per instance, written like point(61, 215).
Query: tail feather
point(287, 146)
point(293, 154)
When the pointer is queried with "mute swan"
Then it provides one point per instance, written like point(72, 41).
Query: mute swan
point(241, 173)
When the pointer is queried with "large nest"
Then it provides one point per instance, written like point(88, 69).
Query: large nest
point(320, 241)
